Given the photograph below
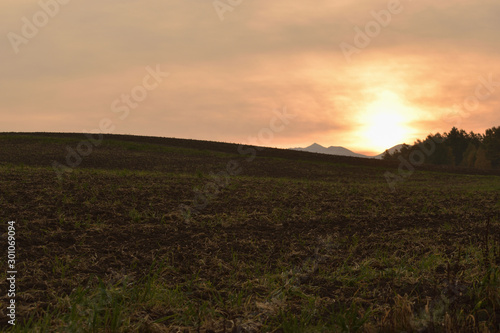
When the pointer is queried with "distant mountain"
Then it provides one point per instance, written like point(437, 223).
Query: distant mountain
point(341, 151)
point(332, 150)
point(391, 150)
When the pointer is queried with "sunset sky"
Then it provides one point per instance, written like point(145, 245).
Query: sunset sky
point(233, 64)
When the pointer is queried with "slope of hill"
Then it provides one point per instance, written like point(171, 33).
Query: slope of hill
point(116, 151)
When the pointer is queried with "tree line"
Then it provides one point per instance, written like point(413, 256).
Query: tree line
point(456, 148)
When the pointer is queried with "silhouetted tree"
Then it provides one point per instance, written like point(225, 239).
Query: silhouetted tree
point(386, 155)
point(458, 141)
point(482, 162)
point(457, 148)
point(394, 156)
point(469, 158)
point(442, 153)
point(491, 141)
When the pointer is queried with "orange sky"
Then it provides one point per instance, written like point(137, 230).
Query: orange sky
point(423, 69)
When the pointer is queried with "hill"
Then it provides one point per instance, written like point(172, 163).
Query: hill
point(156, 153)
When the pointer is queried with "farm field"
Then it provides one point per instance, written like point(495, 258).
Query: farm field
point(277, 241)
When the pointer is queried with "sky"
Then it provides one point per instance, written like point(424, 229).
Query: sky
point(366, 75)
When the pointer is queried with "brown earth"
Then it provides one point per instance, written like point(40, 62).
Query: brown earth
point(295, 218)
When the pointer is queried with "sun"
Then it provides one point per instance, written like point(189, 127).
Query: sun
point(385, 122)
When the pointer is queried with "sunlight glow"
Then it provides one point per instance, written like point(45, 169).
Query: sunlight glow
point(385, 122)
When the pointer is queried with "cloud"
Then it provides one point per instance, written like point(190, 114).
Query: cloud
point(228, 76)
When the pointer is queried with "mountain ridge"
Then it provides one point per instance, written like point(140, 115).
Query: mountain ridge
point(341, 151)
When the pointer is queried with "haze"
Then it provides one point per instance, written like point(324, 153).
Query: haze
point(429, 67)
